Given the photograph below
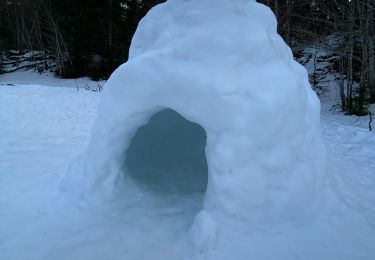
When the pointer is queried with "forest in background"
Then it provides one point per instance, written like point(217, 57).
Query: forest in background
point(92, 38)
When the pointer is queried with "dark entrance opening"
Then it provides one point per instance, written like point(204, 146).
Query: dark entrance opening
point(167, 156)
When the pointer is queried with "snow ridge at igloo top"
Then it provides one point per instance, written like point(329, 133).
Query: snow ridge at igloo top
point(220, 64)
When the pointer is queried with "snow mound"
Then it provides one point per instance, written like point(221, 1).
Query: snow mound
point(222, 65)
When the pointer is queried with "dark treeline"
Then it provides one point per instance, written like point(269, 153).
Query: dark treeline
point(345, 29)
point(86, 37)
point(92, 37)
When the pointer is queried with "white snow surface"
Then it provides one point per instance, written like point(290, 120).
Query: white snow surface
point(269, 194)
point(42, 129)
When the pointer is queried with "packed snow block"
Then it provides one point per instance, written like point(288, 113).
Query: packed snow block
point(222, 65)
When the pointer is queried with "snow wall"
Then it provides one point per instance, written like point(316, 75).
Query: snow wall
point(222, 65)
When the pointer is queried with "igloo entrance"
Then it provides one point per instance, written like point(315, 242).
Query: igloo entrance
point(167, 156)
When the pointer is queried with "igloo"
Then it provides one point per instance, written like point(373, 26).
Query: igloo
point(222, 65)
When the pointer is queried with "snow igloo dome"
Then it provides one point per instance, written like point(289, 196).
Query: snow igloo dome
point(219, 64)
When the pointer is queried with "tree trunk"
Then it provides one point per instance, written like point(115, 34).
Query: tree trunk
point(371, 49)
point(110, 37)
point(371, 69)
point(276, 8)
point(288, 21)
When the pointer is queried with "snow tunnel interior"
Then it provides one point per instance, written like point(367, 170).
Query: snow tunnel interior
point(167, 156)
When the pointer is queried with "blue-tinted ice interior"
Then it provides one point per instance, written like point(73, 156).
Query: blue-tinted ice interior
point(167, 156)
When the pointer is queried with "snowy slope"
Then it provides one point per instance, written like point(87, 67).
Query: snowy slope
point(328, 88)
point(30, 77)
point(42, 129)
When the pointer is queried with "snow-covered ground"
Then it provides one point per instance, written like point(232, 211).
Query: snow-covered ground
point(30, 77)
point(42, 129)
